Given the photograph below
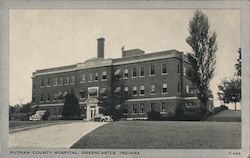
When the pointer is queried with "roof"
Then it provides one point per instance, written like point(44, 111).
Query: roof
point(100, 62)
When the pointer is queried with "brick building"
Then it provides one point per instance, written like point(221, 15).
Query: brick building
point(138, 81)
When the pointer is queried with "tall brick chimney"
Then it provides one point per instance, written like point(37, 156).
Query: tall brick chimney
point(100, 47)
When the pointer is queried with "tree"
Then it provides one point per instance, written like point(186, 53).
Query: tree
point(230, 91)
point(26, 108)
point(202, 59)
point(71, 108)
point(238, 64)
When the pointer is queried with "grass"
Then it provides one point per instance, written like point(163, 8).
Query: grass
point(227, 116)
point(164, 135)
point(24, 124)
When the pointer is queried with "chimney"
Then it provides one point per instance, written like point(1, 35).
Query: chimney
point(100, 47)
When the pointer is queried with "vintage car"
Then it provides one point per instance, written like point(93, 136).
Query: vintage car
point(39, 116)
point(102, 118)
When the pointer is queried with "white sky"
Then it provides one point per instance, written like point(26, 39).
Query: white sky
point(49, 38)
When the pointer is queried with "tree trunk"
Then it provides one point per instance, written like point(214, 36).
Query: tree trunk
point(235, 106)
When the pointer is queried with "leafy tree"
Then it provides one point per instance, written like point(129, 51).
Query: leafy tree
point(12, 109)
point(117, 106)
point(26, 108)
point(238, 64)
point(204, 47)
point(230, 91)
point(71, 108)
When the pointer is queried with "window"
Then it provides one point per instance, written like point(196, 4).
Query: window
point(126, 109)
point(164, 69)
point(152, 89)
point(60, 111)
point(55, 82)
point(33, 99)
point(142, 108)
point(90, 77)
point(178, 68)
point(82, 93)
point(48, 83)
point(142, 91)
point(134, 90)
point(59, 95)
point(185, 71)
point(48, 96)
point(163, 107)
point(125, 75)
point(67, 81)
point(164, 88)
point(42, 82)
point(104, 75)
point(179, 87)
point(82, 78)
point(42, 97)
point(142, 73)
point(134, 72)
point(152, 106)
point(72, 80)
point(55, 96)
point(118, 74)
point(96, 76)
point(134, 108)
point(34, 86)
point(54, 109)
point(126, 90)
point(187, 88)
point(61, 81)
point(152, 70)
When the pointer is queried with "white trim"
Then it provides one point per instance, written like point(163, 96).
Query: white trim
point(162, 98)
point(147, 59)
point(147, 99)
point(104, 79)
point(45, 105)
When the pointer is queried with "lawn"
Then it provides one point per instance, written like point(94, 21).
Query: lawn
point(25, 124)
point(164, 135)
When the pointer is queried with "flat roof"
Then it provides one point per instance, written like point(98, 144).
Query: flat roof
point(100, 62)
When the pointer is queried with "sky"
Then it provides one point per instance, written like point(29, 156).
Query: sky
point(41, 38)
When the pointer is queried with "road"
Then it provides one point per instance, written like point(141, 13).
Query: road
point(53, 136)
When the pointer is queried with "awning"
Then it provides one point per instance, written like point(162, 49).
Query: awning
point(65, 93)
point(126, 89)
point(59, 94)
point(103, 90)
point(92, 91)
point(118, 106)
point(118, 90)
point(117, 72)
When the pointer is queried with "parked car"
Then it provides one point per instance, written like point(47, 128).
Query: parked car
point(102, 118)
point(39, 116)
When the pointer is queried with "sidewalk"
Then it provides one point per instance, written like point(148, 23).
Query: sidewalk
point(53, 136)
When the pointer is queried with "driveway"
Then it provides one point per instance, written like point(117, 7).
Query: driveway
point(54, 136)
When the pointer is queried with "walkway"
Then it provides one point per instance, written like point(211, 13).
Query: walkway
point(54, 136)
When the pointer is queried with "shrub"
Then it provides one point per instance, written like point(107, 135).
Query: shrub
point(154, 116)
point(184, 113)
